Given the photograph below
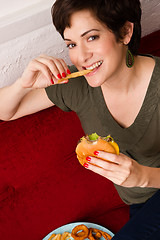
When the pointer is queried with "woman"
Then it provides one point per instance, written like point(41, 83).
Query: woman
point(119, 96)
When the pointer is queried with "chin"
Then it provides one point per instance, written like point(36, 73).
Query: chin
point(93, 83)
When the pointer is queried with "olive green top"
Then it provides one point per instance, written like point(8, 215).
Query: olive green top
point(140, 141)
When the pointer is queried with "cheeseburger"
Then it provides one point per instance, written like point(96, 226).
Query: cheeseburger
point(91, 143)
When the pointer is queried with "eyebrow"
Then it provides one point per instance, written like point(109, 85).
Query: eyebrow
point(83, 34)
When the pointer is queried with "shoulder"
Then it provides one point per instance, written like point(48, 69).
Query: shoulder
point(150, 66)
point(156, 72)
point(152, 63)
point(154, 86)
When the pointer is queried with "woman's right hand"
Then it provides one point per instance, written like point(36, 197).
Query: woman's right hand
point(44, 71)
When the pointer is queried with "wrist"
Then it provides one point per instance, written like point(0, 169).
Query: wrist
point(144, 177)
point(20, 86)
point(151, 177)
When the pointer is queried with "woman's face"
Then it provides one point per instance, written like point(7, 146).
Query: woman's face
point(92, 46)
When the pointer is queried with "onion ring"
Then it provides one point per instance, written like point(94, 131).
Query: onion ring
point(106, 235)
point(80, 232)
point(94, 233)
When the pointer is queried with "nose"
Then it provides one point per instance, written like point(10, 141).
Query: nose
point(84, 54)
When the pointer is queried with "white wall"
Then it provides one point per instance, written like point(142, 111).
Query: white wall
point(150, 16)
point(24, 18)
point(28, 31)
point(25, 34)
point(10, 6)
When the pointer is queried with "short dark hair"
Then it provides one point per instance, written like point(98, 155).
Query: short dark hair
point(113, 13)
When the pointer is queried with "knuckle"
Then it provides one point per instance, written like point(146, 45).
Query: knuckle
point(32, 61)
point(42, 55)
point(51, 61)
point(45, 67)
point(116, 158)
point(60, 59)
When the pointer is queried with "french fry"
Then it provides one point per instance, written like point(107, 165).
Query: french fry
point(74, 75)
point(63, 236)
point(52, 236)
point(79, 234)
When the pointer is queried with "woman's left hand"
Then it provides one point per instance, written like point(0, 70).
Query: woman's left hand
point(119, 169)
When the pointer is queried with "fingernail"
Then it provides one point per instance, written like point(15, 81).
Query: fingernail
point(59, 76)
point(88, 159)
point(96, 153)
point(52, 81)
point(63, 75)
point(86, 165)
point(68, 71)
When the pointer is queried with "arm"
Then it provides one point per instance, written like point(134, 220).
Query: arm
point(27, 95)
point(124, 171)
point(153, 177)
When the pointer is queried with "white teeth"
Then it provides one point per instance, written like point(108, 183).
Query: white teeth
point(97, 64)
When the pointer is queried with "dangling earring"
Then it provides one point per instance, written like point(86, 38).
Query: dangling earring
point(129, 59)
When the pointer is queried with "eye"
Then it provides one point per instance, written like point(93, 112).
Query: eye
point(71, 45)
point(94, 37)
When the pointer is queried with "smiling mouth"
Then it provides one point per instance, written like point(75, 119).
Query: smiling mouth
point(95, 65)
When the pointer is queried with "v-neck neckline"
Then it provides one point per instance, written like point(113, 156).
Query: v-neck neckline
point(138, 127)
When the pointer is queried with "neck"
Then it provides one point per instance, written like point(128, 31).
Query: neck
point(124, 79)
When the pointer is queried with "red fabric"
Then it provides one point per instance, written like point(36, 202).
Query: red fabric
point(150, 44)
point(42, 184)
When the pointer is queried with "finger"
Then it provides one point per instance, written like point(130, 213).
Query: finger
point(35, 66)
point(54, 65)
point(59, 69)
point(112, 176)
point(105, 164)
point(67, 71)
point(108, 156)
point(63, 71)
point(59, 59)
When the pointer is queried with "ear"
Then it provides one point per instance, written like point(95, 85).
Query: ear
point(127, 31)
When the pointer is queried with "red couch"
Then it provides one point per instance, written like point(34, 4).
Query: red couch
point(42, 184)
